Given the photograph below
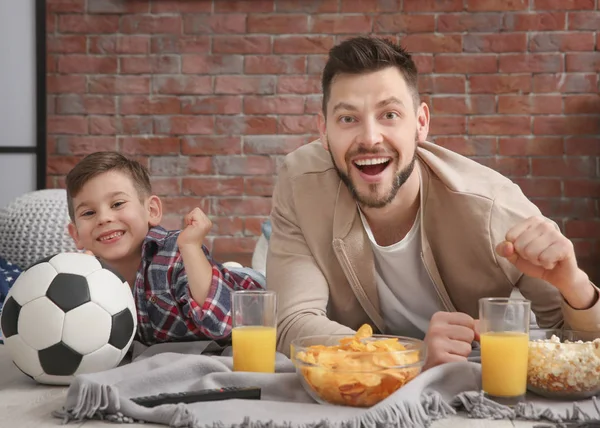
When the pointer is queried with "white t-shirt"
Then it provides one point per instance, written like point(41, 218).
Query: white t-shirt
point(407, 296)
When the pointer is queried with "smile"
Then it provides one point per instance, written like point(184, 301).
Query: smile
point(113, 235)
point(372, 166)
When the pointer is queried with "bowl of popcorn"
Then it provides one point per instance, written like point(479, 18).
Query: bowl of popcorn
point(564, 363)
point(356, 371)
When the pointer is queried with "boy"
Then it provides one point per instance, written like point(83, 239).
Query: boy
point(180, 292)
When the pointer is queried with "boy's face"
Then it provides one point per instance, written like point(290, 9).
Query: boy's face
point(372, 130)
point(110, 219)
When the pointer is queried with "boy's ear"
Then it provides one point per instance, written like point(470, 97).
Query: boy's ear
point(154, 210)
point(75, 235)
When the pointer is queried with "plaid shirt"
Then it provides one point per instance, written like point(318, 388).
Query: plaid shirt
point(166, 310)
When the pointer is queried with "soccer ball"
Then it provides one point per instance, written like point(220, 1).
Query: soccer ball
point(66, 315)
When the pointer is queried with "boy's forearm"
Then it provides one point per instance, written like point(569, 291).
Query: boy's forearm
point(198, 270)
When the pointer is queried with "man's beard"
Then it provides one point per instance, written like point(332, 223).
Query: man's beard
point(374, 202)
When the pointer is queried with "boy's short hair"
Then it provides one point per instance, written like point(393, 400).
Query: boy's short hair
point(100, 162)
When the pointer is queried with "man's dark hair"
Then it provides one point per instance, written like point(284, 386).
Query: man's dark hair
point(368, 54)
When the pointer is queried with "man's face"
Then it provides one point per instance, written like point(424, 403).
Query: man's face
point(371, 131)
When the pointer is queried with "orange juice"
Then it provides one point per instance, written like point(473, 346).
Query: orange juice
point(254, 349)
point(504, 363)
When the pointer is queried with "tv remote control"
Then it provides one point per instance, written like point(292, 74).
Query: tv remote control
point(248, 393)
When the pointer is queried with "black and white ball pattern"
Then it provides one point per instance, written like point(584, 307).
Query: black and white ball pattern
point(67, 315)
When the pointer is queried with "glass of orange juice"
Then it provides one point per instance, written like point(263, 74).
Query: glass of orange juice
point(504, 339)
point(254, 320)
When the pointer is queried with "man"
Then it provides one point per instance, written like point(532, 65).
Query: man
point(373, 224)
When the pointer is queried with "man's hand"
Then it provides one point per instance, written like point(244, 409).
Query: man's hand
point(196, 227)
point(449, 338)
point(538, 249)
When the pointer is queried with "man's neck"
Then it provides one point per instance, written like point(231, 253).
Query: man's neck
point(391, 223)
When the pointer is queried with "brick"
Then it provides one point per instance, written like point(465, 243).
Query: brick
point(159, 64)
point(582, 146)
point(65, 6)
point(313, 104)
point(182, 85)
point(298, 84)
point(234, 245)
point(259, 186)
point(433, 6)
point(308, 6)
point(51, 63)
point(86, 64)
point(119, 44)
point(150, 24)
point(277, 24)
point(84, 145)
point(538, 21)
point(119, 85)
point(165, 186)
point(509, 167)
point(486, 43)
point(134, 125)
point(181, 125)
point(61, 164)
point(118, 6)
point(245, 206)
point(212, 64)
point(563, 42)
point(200, 165)
point(180, 44)
point(67, 125)
point(360, 6)
point(184, 205)
point(241, 44)
point(424, 63)
point(270, 64)
point(51, 104)
point(465, 63)
point(499, 125)
point(442, 84)
point(527, 146)
point(230, 23)
point(530, 63)
point(244, 165)
point(242, 125)
point(150, 145)
point(469, 22)
point(65, 84)
point(582, 188)
point(564, 167)
point(583, 228)
point(212, 145)
point(82, 104)
point(530, 104)
point(66, 44)
point(171, 222)
point(133, 104)
point(581, 104)
point(254, 85)
point(88, 24)
point(51, 23)
point(227, 226)
point(586, 62)
point(563, 4)
point(474, 104)
point(539, 187)
point(169, 166)
point(500, 84)
point(218, 104)
point(182, 6)
point(305, 124)
point(448, 125)
point(253, 225)
point(567, 83)
point(584, 21)
point(255, 6)
point(316, 64)
point(340, 24)
point(281, 104)
point(303, 44)
point(496, 6)
point(221, 186)
point(435, 43)
point(272, 144)
point(559, 207)
point(104, 125)
point(468, 146)
point(566, 125)
point(400, 23)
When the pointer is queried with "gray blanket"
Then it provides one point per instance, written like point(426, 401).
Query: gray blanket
point(434, 394)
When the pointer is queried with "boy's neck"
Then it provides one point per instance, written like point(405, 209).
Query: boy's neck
point(127, 268)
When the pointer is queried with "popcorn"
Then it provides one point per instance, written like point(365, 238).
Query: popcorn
point(567, 367)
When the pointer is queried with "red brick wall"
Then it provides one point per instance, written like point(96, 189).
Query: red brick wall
point(211, 94)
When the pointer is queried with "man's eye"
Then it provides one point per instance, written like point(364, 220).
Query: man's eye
point(391, 115)
point(346, 119)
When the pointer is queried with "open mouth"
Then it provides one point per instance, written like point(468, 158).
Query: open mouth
point(372, 166)
point(111, 236)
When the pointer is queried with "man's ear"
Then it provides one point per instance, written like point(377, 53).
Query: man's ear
point(154, 210)
point(322, 125)
point(422, 122)
point(75, 235)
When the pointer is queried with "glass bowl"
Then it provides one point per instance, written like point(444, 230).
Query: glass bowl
point(564, 364)
point(355, 377)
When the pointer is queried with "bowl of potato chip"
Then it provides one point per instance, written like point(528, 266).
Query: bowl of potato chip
point(359, 370)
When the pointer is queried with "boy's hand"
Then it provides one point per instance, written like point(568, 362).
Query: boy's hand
point(196, 227)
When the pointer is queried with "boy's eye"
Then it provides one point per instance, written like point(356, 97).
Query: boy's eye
point(87, 213)
point(118, 204)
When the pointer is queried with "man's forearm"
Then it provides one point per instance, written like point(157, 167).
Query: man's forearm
point(198, 270)
point(580, 294)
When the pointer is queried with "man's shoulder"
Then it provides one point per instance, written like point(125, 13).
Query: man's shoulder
point(308, 159)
